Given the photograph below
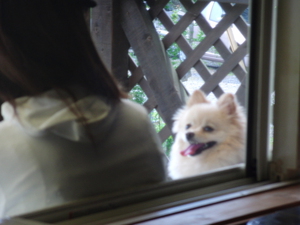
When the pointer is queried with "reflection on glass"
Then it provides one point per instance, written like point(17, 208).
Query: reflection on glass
point(68, 136)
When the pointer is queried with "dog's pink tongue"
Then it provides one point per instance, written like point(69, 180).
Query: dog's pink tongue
point(191, 150)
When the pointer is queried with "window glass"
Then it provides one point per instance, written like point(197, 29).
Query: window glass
point(209, 52)
point(215, 57)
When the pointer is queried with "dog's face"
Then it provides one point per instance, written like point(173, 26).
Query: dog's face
point(203, 125)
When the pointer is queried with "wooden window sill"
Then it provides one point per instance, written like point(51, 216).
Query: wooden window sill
point(235, 211)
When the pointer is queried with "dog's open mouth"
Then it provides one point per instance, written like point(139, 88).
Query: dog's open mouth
point(196, 149)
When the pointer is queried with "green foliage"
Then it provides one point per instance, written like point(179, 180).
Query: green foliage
point(200, 36)
point(133, 56)
point(174, 16)
point(173, 51)
point(156, 120)
point(140, 97)
point(173, 5)
point(167, 145)
point(175, 13)
point(159, 124)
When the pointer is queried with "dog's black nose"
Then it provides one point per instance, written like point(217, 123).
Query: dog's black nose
point(189, 136)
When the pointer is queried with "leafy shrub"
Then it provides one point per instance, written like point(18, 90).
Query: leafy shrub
point(138, 95)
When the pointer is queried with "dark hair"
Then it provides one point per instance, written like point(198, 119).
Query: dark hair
point(46, 44)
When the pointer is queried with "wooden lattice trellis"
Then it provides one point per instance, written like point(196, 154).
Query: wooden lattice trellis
point(119, 25)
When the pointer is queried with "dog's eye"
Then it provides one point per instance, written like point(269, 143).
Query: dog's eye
point(188, 126)
point(208, 129)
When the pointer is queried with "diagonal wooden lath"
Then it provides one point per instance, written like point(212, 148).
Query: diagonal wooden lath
point(186, 48)
point(194, 14)
point(182, 24)
point(210, 39)
point(226, 67)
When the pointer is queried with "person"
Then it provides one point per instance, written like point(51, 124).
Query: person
point(67, 132)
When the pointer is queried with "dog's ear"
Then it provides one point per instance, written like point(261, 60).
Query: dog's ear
point(196, 98)
point(227, 102)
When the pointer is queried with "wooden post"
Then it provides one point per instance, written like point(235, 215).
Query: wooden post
point(109, 38)
point(152, 58)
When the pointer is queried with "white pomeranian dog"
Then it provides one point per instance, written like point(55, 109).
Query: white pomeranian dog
point(208, 136)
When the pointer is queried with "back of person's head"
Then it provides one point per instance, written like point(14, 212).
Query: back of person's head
point(46, 44)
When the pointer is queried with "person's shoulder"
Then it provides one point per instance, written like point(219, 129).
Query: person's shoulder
point(131, 105)
point(134, 113)
point(10, 135)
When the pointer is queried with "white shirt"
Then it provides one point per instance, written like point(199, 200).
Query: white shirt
point(46, 157)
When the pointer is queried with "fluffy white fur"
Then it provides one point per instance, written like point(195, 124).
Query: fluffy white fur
point(228, 122)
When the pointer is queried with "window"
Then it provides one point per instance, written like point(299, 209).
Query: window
point(274, 68)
